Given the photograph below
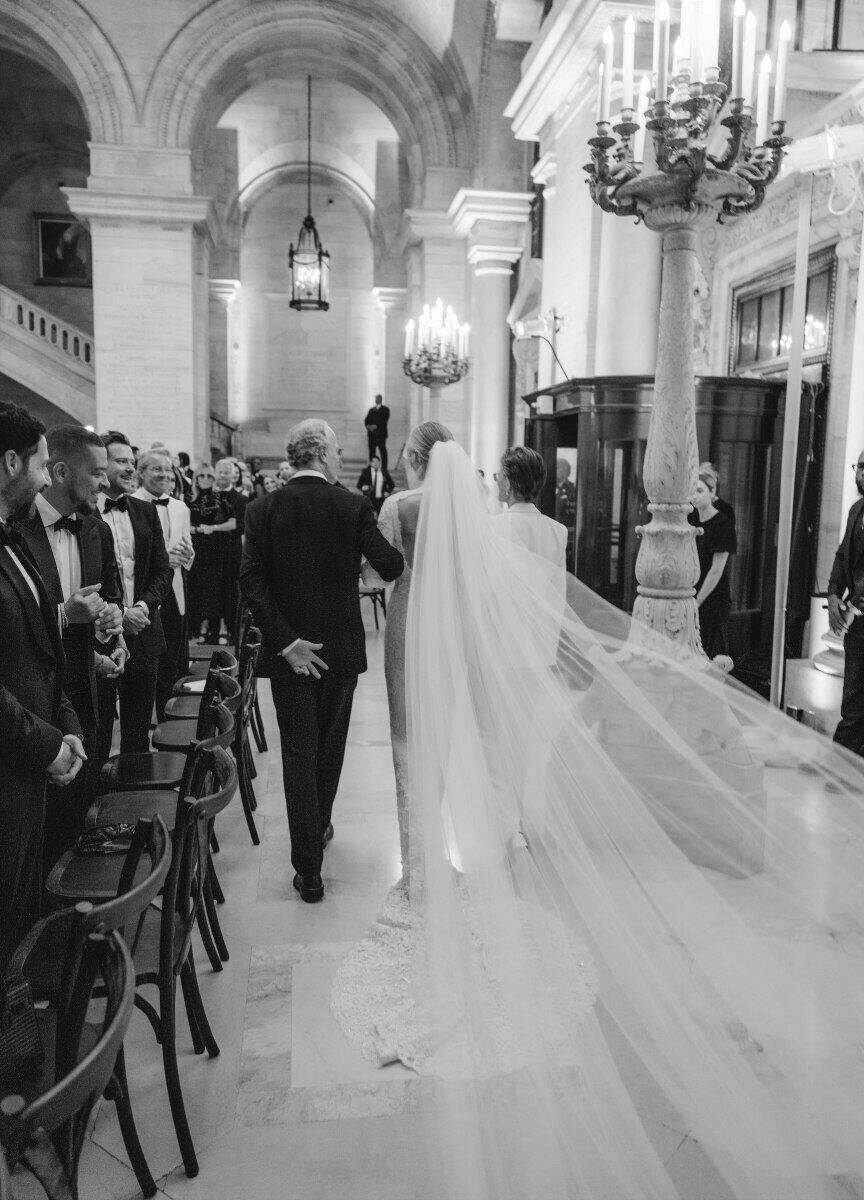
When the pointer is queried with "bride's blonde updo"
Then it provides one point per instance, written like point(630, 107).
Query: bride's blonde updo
point(421, 439)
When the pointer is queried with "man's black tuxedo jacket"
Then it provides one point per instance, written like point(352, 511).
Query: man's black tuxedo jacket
point(98, 565)
point(378, 415)
point(842, 582)
point(154, 574)
point(34, 712)
point(365, 481)
point(301, 569)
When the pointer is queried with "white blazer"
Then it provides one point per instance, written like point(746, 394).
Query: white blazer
point(174, 519)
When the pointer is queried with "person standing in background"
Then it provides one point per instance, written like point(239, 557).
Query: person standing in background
point(73, 549)
point(846, 618)
point(40, 734)
point(375, 483)
point(227, 485)
point(376, 429)
point(714, 545)
point(156, 474)
point(146, 577)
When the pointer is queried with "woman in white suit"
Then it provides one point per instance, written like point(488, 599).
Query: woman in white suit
point(520, 481)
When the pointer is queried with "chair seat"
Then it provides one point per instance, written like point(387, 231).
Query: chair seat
point(93, 877)
point(197, 670)
point(141, 771)
point(203, 652)
point(174, 735)
point(126, 808)
point(180, 708)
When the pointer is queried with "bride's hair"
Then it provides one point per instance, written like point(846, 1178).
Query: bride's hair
point(421, 439)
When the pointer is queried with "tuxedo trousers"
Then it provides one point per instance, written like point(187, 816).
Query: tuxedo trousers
point(175, 657)
point(378, 445)
point(65, 807)
point(137, 692)
point(313, 716)
point(850, 731)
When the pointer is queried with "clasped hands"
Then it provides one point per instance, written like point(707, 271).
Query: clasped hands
point(68, 762)
point(180, 554)
point(303, 660)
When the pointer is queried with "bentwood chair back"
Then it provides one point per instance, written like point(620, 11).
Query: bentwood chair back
point(47, 1134)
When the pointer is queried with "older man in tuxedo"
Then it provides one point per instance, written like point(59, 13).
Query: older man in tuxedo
point(75, 555)
point(375, 483)
point(301, 563)
point(155, 470)
point(146, 577)
point(40, 735)
point(846, 617)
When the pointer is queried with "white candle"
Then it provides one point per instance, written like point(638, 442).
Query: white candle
point(710, 34)
point(655, 49)
point(642, 105)
point(409, 339)
point(738, 14)
point(627, 63)
point(780, 81)
point(695, 55)
point(677, 57)
point(663, 57)
point(608, 51)
point(749, 56)
point(686, 31)
point(599, 93)
point(762, 100)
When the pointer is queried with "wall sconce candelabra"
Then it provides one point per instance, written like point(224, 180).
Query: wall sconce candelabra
point(436, 348)
point(685, 187)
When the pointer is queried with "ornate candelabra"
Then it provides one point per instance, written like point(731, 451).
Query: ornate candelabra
point(685, 188)
point(436, 348)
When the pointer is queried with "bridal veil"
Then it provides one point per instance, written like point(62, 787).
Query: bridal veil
point(627, 914)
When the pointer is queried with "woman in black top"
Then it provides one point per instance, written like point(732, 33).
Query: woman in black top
point(210, 513)
point(714, 545)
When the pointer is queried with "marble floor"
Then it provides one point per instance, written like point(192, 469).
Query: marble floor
point(289, 1109)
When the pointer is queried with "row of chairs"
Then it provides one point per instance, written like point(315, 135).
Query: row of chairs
point(153, 896)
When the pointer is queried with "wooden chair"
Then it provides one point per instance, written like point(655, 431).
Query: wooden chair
point(178, 728)
point(163, 949)
point(115, 808)
point(376, 595)
point(46, 957)
point(147, 770)
point(46, 1135)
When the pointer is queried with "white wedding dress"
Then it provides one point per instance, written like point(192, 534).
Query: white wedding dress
point(597, 888)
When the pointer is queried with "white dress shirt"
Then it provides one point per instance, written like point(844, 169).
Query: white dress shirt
point(175, 522)
point(64, 547)
point(120, 524)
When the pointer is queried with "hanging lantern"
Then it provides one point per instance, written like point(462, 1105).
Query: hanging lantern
point(309, 264)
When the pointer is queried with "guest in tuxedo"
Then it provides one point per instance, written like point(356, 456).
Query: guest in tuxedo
point(227, 479)
point(40, 735)
point(323, 532)
point(565, 507)
point(155, 470)
point(75, 554)
point(376, 429)
point(375, 483)
point(146, 577)
point(846, 617)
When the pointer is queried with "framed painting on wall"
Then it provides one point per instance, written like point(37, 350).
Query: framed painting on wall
point(62, 251)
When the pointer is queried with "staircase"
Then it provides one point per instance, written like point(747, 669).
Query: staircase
point(50, 357)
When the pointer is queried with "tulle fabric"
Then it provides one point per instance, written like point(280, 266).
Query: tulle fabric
point(566, 766)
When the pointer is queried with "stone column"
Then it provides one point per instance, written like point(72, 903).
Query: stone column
point(628, 296)
point(149, 238)
point(223, 294)
point(494, 225)
point(395, 385)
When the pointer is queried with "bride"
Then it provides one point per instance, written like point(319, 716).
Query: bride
point(611, 925)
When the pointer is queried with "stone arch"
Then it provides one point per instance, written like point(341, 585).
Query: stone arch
point(222, 51)
point(69, 43)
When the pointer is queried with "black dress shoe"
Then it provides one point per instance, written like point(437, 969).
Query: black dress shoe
point(328, 834)
point(310, 887)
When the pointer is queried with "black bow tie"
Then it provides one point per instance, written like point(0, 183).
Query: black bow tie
point(11, 537)
point(71, 522)
point(119, 503)
point(162, 501)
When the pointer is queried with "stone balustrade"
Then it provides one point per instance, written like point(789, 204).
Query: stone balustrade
point(53, 334)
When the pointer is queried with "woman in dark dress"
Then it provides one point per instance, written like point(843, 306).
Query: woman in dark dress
point(210, 512)
point(714, 545)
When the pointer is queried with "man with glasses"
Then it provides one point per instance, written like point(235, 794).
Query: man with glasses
point(846, 618)
point(156, 472)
